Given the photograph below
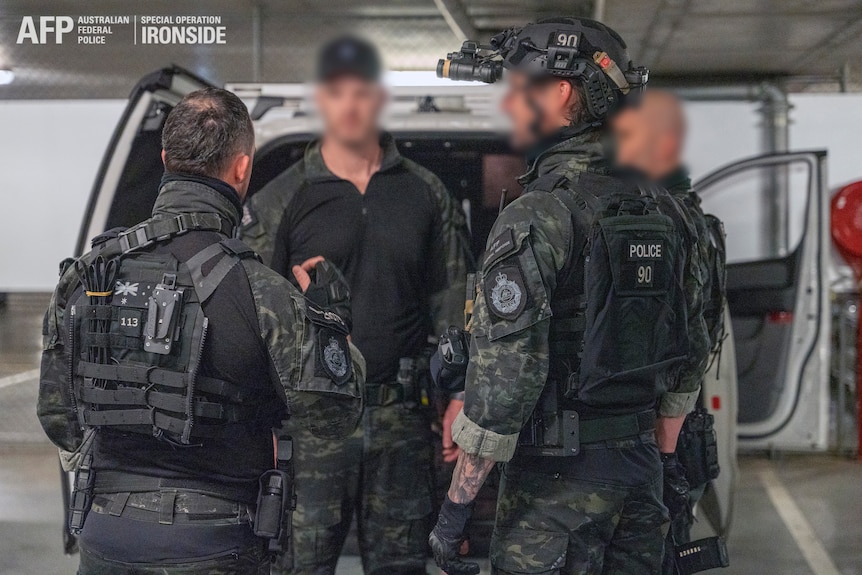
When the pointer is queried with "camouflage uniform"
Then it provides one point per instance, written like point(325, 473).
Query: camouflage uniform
point(597, 512)
point(384, 471)
point(678, 184)
point(317, 404)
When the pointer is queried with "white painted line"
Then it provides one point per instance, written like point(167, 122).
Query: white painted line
point(18, 378)
point(806, 539)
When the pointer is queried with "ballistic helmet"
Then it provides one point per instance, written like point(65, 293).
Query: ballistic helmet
point(578, 48)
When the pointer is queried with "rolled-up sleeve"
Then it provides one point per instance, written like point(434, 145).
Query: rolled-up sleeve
point(509, 358)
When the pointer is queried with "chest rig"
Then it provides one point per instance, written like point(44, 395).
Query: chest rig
point(138, 332)
point(619, 317)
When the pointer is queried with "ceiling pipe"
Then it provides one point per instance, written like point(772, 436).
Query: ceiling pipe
point(457, 19)
point(256, 43)
point(599, 10)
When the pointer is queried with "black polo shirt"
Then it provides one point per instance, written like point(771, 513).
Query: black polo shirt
point(382, 241)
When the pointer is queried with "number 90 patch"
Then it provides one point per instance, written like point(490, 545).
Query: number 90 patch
point(644, 266)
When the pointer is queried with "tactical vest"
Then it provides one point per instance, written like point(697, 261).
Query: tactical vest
point(716, 293)
point(139, 330)
point(619, 323)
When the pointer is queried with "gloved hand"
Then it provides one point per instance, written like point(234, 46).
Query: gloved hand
point(325, 287)
point(676, 496)
point(449, 362)
point(446, 538)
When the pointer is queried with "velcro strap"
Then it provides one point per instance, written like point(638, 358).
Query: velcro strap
point(166, 509)
point(548, 182)
point(616, 427)
point(119, 503)
point(93, 339)
point(153, 375)
point(153, 418)
point(160, 400)
point(238, 248)
point(133, 374)
point(103, 312)
point(114, 417)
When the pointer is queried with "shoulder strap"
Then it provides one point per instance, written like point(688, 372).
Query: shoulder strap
point(159, 229)
point(232, 250)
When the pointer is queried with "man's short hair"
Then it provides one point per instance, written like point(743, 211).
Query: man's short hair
point(205, 131)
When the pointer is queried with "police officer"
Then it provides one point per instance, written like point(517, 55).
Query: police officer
point(170, 351)
point(401, 240)
point(579, 330)
point(650, 138)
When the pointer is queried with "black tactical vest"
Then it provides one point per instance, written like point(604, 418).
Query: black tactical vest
point(138, 332)
point(619, 324)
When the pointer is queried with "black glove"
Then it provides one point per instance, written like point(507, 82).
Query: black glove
point(446, 538)
point(676, 497)
point(329, 293)
point(449, 362)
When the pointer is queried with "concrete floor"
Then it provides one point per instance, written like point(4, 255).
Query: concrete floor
point(795, 515)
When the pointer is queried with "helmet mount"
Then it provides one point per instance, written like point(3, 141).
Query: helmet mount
point(575, 48)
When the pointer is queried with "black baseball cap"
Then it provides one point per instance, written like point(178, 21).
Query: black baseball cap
point(349, 55)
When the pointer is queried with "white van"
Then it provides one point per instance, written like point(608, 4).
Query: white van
point(777, 292)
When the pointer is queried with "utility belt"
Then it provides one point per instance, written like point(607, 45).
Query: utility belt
point(171, 501)
point(411, 388)
point(169, 507)
point(561, 433)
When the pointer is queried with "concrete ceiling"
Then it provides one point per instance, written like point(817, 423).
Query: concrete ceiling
point(692, 41)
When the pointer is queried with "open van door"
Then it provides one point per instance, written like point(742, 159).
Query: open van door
point(774, 209)
point(128, 178)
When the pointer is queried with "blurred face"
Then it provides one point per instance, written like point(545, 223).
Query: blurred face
point(527, 103)
point(350, 107)
point(650, 137)
point(635, 144)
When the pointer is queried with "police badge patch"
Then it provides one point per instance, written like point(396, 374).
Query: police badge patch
point(505, 291)
point(333, 354)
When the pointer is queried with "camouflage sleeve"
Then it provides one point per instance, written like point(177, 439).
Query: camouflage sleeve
point(450, 257)
point(55, 405)
point(327, 398)
point(682, 393)
point(509, 356)
point(263, 214)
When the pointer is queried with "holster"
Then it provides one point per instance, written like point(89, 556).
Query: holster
point(276, 501)
point(698, 449)
point(82, 494)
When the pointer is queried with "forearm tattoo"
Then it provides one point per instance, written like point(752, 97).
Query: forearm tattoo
point(470, 473)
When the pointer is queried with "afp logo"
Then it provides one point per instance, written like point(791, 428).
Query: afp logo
point(38, 32)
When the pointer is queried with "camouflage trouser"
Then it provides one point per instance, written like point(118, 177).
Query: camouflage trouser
point(252, 561)
point(599, 513)
point(384, 472)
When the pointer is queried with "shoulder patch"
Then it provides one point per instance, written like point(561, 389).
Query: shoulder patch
point(334, 356)
point(506, 292)
point(503, 245)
